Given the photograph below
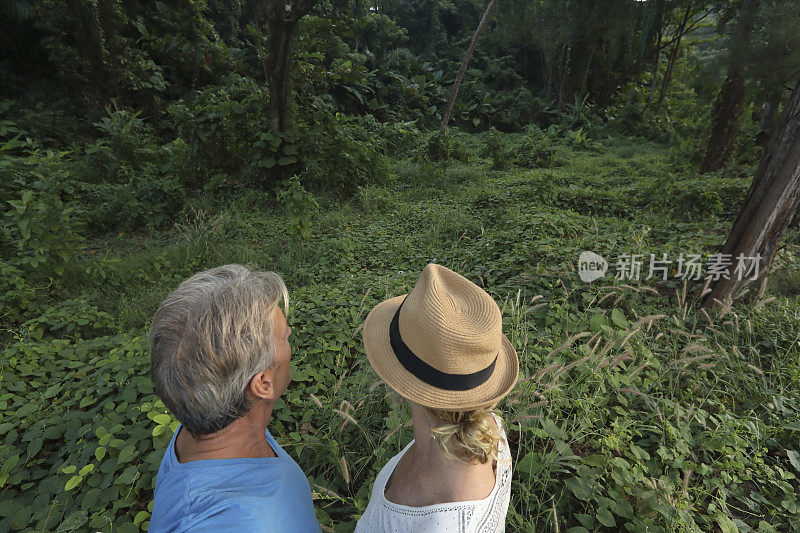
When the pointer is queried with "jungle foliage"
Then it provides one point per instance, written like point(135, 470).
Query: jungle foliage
point(136, 150)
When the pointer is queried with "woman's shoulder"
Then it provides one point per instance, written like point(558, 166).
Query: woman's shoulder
point(386, 472)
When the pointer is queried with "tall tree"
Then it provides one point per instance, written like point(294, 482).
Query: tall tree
point(771, 202)
point(282, 18)
point(728, 105)
point(481, 26)
point(689, 14)
point(776, 44)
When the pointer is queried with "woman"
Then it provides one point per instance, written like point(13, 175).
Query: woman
point(442, 349)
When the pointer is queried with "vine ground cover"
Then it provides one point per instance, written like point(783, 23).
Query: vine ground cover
point(635, 411)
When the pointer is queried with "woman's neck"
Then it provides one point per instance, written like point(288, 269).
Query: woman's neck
point(426, 476)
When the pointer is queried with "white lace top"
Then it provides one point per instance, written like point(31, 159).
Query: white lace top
point(475, 516)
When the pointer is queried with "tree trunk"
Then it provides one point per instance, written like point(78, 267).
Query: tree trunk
point(654, 81)
point(673, 56)
point(768, 116)
point(91, 45)
point(282, 17)
point(728, 104)
point(725, 122)
point(771, 202)
point(280, 35)
point(578, 68)
point(456, 84)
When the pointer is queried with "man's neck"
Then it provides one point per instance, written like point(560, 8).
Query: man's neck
point(243, 438)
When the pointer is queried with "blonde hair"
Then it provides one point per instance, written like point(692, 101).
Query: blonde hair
point(209, 337)
point(470, 436)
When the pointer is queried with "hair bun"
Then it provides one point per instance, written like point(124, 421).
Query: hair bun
point(468, 435)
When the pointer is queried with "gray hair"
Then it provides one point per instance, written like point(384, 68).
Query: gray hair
point(208, 338)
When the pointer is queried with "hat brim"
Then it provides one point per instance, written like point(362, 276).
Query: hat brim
point(383, 360)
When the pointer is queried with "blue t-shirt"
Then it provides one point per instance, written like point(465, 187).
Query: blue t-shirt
point(265, 494)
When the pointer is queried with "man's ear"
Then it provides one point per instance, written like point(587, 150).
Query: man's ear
point(261, 386)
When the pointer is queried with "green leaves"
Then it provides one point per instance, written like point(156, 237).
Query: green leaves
point(300, 205)
point(163, 419)
point(794, 459)
point(49, 446)
point(39, 227)
point(618, 318)
point(128, 476)
point(73, 482)
point(126, 454)
point(605, 445)
point(605, 517)
point(579, 487)
point(530, 464)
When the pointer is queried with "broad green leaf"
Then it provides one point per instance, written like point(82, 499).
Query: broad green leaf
point(579, 487)
point(34, 447)
point(530, 464)
point(90, 499)
point(618, 318)
point(75, 520)
point(73, 482)
point(10, 463)
point(766, 527)
point(86, 401)
point(597, 322)
point(128, 476)
point(161, 419)
point(126, 454)
point(794, 459)
point(725, 524)
point(605, 517)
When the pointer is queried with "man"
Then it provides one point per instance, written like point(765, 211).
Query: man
point(219, 355)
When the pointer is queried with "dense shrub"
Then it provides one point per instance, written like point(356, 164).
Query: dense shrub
point(37, 227)
point(534, 149)
point(126, 180)
point(17, 296)
point(709, 195)
point(496, 149)
point(340, 155)
point(300, 205)
point(144, 203)
point(400, 139)
point(631, 120)
point(220, 125)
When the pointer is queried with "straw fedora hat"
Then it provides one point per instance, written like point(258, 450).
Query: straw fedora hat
point(442, 345)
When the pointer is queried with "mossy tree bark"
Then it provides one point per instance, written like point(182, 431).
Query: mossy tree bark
point(771, 202)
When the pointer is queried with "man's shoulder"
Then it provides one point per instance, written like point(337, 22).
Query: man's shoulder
point(236, 511)
point(231, 515)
